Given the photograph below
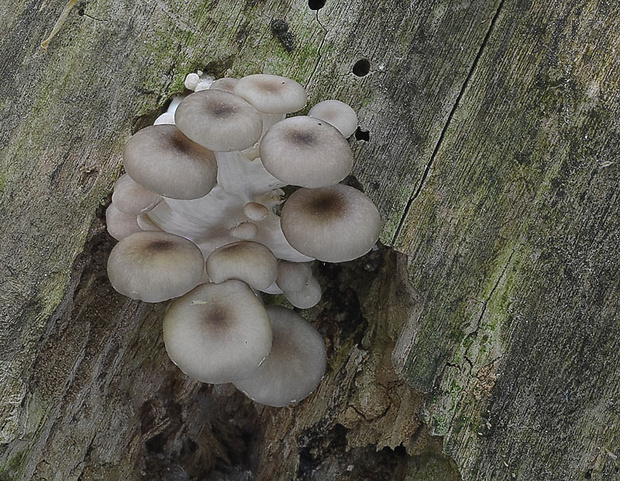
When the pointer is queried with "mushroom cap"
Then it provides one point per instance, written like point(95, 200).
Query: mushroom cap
point(131, 198)
point(255, 211)
point(293, 276)
point(191, 80)
point(338, 114)
point(271, 93)
point(145, 223)
point(120, 224)
point(294, 366)
point(306, 152)
point(163, 160)
point(219, 120)
point(155, 266)
point(306, 297)
point(244, 231)
point(332, 224)
point(248, 261)
point(224, 83)
point(218, 333)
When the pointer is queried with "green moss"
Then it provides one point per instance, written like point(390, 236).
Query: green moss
point(432, 467)
point(11, 471)
point(3, 179)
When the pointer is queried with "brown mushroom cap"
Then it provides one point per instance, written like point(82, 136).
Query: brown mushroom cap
point(163, 160)
point(248, 261)
point(219, 120)
point(306, 152)
point(271, 93)
point(154, 266)
point(332, 224)
point(218, 333)
point(294, 366)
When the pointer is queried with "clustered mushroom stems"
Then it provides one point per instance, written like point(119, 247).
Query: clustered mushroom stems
point(195, 219)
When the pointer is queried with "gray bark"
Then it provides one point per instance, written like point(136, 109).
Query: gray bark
point(484, 345)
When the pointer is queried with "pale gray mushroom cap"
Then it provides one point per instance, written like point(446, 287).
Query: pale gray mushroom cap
point(307, 152)
point(337, 113)
point(132, 198)
point(120, 224)
point(219, 120)
point(163, 160)
point(293, 276)
point(294, 366)
point(306, 297)
point(155, 266)
point(271, 93)
point(218, 333)
point(332, 224)
point(248, 261)
point(226, 83)
point(255, 211)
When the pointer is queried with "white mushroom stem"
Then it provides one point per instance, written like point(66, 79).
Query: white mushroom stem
point(168, 116)
point(146, 223)
point(247, 178)
point(270, 120)
point(240, 183)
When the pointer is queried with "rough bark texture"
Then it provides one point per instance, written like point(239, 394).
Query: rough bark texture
point(489, 138)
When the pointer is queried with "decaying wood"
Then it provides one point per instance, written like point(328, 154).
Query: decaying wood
point(486, 349)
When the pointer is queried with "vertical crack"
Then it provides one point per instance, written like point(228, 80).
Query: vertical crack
point(442, 135)
point(319, 55)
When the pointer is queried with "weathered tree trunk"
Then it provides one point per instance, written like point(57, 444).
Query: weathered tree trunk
point(485, 345)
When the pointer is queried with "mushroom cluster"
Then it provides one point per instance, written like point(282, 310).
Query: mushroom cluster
point(195, 217)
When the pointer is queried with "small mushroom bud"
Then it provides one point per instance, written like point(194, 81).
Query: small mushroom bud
point(131, 198)
point(337, 113)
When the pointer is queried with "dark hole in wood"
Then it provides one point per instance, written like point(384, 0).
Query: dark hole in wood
point(362, 135)
point(361, 67)
point(316, 4)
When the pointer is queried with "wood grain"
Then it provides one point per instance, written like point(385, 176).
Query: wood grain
point(493, 136)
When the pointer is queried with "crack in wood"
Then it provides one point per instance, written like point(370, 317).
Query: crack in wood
point(319, 54)
point(444, 130)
